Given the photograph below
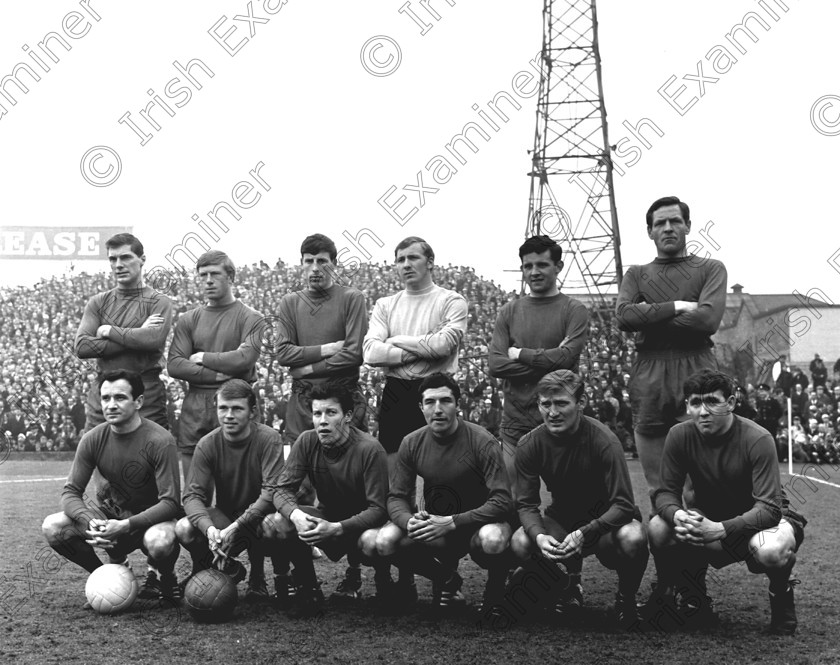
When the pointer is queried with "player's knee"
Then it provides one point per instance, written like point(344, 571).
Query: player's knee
point(273, 526)
point(388, 540)
point(159, 540)
point(776, 554)
point(493, 538)
point(185, 532)
point(660, 534)
point(520, 544)
point(54, 528)
point(632, 540)
point(367, 543)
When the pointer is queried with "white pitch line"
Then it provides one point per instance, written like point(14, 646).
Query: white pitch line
point(33, 480)
point(816, 480)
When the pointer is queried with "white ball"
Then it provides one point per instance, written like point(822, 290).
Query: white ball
point(111, 588)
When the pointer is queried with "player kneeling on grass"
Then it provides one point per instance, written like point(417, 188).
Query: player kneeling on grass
point(242, 459)
point(349, 471)
point(140, 502)
point(466, 501)
point(592, 509)
point(739, 513)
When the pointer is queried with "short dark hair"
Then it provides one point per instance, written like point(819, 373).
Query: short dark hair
point(236, 389)
point(708, 381)
point(439, 380)
point(667, 201)
point(428, 252)
point(538, 244)
point(317, 243)
point(133, 378)
point(331, 390)
point(216, 257)
point(121, 239)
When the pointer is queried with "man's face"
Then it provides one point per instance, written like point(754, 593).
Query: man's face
point(440, 410)
point(126, 266)
point(412, 265)
point(118, 404)
point(318, 270)
point(762, 393)
point(560, 411)
point(234, 416)
point(331, 423)
point(540, 272)
point(215, 282)
point(711, 413)
point(668, 231)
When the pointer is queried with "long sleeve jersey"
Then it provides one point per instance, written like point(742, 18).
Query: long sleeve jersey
point(463, 476)
point(231, 337)
point(436, 317)
point(129, 346)
point(308, 319)
point(351, 480)
point(735, 476)
point(551, 333)
point(141, 468)
point(586, 474)
point(244, 474)
point(646, 302)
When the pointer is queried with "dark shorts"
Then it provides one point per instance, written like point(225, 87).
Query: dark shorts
point(124, 544)
point(248, 535)
point(299, 412)
point(399, 412)
point(656, 387)
point(198, 417)
point(154, 402)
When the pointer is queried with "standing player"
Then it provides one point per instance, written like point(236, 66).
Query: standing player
point(212, 343)
point(466, 499)
point(242, 460)
point(320, 336)
point(412, 335)
point(592, 509)
point(139, 507)
point(535, 335)
point(674, 305)
point(740, 511)
point(126, 328)
point(349, 472)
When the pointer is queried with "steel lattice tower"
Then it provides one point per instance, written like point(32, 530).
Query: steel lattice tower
point(572, 197)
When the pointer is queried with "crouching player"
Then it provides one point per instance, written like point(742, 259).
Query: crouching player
point(349, 472)
point(740, 512)
point(466, 501)
point(592, 509)
point(139, 502)
point(242, 459)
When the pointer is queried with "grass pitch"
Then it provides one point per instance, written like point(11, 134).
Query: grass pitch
point(42, 620)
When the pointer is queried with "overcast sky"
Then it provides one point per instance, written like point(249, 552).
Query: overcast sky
point(755, 155)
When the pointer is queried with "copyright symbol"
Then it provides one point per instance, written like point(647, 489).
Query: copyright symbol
point(101, 166)
point(827, 126)
point(160, 618)
point(381, 56)
point(552, 221)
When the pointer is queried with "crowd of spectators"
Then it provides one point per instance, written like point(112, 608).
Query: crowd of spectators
point(43, 385)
